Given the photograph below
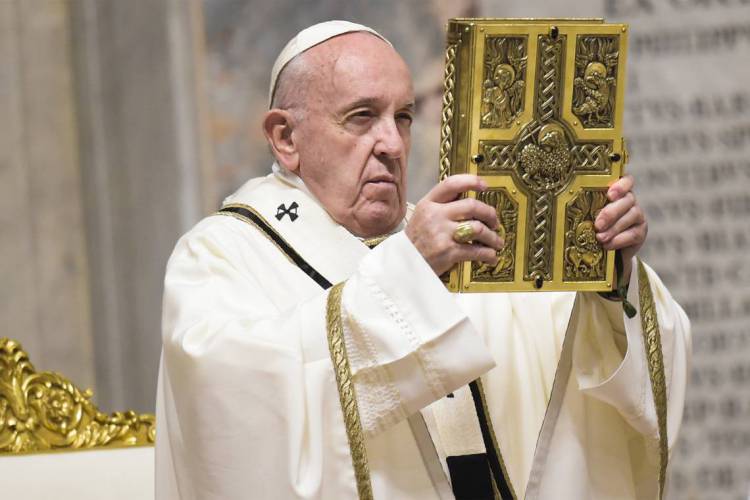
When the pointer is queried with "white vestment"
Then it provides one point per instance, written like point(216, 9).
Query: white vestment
point(248, 401)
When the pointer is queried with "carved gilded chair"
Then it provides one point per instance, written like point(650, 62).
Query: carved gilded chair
point(56, 444)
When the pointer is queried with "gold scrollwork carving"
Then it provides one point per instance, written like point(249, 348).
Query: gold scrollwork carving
point(548, 88)
point(503, 156)
point(585, 259)
point(551, 55)
point(591, 157)
point(594, 83)
point(44, 411)
point(446, 120)
point(499, 156)
point(504, 80)
point(539, 237)
point(507, 216)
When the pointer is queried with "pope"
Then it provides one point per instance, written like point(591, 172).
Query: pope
point(311, 350)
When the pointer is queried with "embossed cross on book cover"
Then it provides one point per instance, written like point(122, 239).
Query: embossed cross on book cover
point(534, 107)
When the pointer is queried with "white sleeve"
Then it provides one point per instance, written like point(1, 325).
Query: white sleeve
point(409, 341)
point(255, 405)
point(610, 356)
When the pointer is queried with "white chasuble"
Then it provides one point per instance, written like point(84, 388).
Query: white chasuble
point(274, 386)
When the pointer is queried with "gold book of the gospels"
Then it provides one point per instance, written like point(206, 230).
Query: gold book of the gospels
point(534, 107)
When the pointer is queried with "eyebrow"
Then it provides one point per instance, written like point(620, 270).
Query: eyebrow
point(373, 101)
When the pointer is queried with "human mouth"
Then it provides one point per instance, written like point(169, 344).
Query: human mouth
point(380, 187)
point(380, 179)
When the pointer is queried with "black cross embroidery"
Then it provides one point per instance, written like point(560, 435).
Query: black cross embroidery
point(281, 211)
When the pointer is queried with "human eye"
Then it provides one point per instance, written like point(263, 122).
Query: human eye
point(361, 116)
point(405, 117)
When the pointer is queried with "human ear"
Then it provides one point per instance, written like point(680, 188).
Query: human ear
point(278, 127)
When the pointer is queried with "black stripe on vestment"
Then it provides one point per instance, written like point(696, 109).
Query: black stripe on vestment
point(492, 454)
point(290, 252)
point(470, 477)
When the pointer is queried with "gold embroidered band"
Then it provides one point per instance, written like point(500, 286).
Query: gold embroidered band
point(347, 395)
point(652, 341)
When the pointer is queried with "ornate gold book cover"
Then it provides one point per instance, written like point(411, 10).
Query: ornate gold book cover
point(534, 106)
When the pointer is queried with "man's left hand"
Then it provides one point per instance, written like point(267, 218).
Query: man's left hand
point(621, 225)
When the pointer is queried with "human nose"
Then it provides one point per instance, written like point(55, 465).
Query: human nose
point(389, 142)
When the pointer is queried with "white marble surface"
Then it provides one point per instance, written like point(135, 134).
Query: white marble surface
point(117, 474)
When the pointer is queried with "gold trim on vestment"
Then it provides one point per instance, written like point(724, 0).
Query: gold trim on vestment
point(494, 443)
point(373, 242)
point(347, 394)
point(652, 341)
point(44, 412)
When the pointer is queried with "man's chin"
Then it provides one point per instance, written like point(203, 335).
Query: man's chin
point(379, 218)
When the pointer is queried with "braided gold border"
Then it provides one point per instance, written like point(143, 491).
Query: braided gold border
point(347, 395)
point(446, 121)
point(652, 342)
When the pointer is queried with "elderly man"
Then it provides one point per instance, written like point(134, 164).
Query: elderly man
point(274, 384)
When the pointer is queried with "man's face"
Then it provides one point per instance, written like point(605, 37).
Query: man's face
point(353, 135)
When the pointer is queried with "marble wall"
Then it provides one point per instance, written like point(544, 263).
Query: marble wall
point(44, 279)
point(102, 167)
point(145, 173)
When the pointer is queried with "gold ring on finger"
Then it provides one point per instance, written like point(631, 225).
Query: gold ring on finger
point(464, 232)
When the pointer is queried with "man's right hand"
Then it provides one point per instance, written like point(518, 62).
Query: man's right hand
point(437, 215)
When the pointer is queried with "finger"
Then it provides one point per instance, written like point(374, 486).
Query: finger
point(478, 253)
point(453, 186)
point(632, 217)
point(623, 186)
point(633, 237)
point(483, 235)
point(471, 208)
point(613, 211)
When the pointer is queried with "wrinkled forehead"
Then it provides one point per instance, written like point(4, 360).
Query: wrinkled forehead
point(357, 48)
point(358, 65)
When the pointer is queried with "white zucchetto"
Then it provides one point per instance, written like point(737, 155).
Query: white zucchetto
point(310, 37)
